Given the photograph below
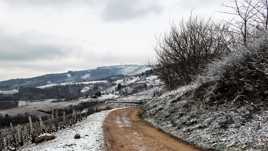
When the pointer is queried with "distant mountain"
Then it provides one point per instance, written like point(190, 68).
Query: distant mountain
point(100, 73)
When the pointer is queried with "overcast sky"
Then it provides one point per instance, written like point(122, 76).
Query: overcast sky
point(48, 36)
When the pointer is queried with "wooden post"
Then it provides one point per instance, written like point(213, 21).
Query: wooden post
point(31, 125)
point(19, 135)
point(25, 137)
point(52, 120)
point(11, 125)
point(56, 114)
point(57, 120)
point(78, 116)
point(52, 114)
point(13, 134)
point(64, 117)
point(41, 123)
point(74, 116)
point(1, 142)
point(5, 143)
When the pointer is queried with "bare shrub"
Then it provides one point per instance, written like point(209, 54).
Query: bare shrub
point(187, 48)
point(241, 77)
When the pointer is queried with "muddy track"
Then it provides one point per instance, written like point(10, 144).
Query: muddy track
point(124, 130)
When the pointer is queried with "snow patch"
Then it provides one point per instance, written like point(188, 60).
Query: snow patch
point(86, 76)
point(69, 75)
point(85, 89)
point(71, 83)
point(9, 92)
point(133, 70)
point(108, 96)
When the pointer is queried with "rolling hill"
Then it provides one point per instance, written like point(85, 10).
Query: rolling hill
point(100, 73)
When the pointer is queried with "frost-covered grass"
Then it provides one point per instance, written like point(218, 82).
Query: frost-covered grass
point(90, 131)
point(208, 112)
point(180, 91)
point(225, 129)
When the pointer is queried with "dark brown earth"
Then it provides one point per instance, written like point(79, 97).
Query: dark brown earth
point(124, 130)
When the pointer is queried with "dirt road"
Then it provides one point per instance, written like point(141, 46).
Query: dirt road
point(124, 130)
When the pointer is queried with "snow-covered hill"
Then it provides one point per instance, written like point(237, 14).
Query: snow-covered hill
point(100, 73)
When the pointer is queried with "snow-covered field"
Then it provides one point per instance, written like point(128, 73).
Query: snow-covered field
point(71, 83)
point(90, 131)
point(33, 107)
point(9, 92)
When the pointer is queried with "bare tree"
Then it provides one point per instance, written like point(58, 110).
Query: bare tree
point(186, 50)
point(246, 12)
point(252, 17)
point(261, 9)
point(265, 14)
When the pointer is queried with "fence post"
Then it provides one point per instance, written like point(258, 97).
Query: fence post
point(11, 125)
point(5, 143)
point(41, 123)
point(27, 136)
point(31, 127)
point(1, 141)
point(24, 134)
point(19, 135)
point(53, 120)
point(74, 117)
point(64, 117)
point(52, 114)
point(57, 120)
point(13, 134)
point(79, 116)
point(56, 114)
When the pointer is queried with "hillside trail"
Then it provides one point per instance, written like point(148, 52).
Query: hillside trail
point(124, 130)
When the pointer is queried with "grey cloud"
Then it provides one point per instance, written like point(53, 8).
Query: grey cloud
point(46, 2)
point(109, 10)
point(129, 9)
point(23, 48)
point(190, 4)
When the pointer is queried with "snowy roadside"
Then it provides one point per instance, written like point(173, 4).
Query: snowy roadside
point(91, 136)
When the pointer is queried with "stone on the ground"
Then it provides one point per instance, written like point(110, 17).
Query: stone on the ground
point(44, 137)
point(77, 136)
